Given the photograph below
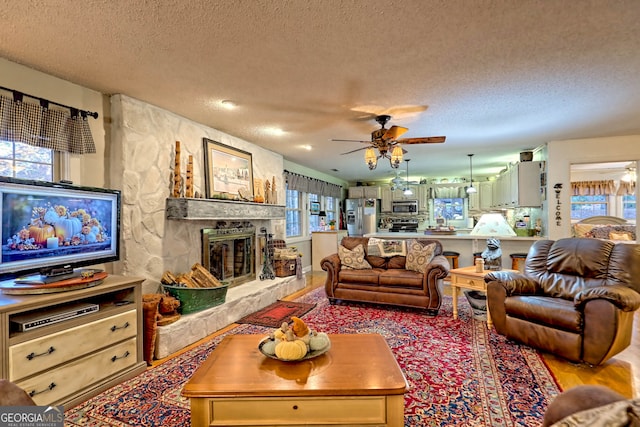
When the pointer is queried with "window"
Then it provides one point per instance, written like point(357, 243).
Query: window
point(314, 220)
point(293, 213)
point(449, 209)
point(587, 206)
point(629, 207)
point(18, 160)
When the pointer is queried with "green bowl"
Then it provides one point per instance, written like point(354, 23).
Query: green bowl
point(197, 299)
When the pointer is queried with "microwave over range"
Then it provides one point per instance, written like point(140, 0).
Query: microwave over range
point(404, 206)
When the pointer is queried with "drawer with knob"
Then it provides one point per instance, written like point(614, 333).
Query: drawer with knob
point(56, 384)
point(40, 354)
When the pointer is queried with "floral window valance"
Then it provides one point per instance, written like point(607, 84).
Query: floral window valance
point(39, 125)
point(311, 185)
point(593, 188)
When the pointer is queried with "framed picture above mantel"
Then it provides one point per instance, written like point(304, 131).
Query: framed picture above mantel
point(228, 171)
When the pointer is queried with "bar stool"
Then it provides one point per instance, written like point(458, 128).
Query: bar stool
point(452, 257)
point(517, 261)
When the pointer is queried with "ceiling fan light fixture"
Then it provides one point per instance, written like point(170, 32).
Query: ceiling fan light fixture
point(396, 157)
point(370, 158)
point(629, 175)
point(471, 189)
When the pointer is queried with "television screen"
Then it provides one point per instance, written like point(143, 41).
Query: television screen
point(51, 228)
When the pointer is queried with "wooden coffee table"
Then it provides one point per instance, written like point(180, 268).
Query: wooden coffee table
point(466, 277)
point(357, 382)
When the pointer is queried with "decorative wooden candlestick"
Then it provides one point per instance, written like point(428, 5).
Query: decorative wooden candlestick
point(188, 191)
point(176, 172)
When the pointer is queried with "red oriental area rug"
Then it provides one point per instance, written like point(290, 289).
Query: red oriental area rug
point(274, 315)
point(460, 373)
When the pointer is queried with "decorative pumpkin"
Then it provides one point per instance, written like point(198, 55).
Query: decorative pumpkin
point(269, 346)
point(51, 216)
point(279, 333)
point(299, 327)
point(319, 341)
point(68, 227)
point(40, 234)
point(291, 348)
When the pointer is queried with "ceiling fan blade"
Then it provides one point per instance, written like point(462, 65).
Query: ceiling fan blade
point(351, 140)
point(424, 140)
point(394, 132)
point(357, 149)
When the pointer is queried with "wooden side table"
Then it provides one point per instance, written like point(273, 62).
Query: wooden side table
point(468, 278)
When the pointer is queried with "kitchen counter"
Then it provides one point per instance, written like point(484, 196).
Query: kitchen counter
point(384, 234)
point(466, 244)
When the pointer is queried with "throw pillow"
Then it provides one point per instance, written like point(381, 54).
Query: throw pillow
point(621, 235)
point(418, 256)
point(373, 247)
point(391, 248)
point(353, 259)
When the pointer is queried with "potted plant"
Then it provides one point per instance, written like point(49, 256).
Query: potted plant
point(332, 224)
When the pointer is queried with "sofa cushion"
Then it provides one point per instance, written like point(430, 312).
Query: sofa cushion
point(401, 279)
point(418, 256)
point(354, 258)
point(363, 277)
point(397, 262)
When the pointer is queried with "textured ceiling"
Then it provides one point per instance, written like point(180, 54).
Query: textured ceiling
point(498, 77)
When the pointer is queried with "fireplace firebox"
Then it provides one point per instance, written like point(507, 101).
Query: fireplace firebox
point(229, 252)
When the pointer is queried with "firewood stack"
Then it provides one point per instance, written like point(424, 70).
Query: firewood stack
point(198, 277)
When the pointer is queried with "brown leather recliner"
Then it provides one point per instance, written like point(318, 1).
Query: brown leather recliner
point(575, 299)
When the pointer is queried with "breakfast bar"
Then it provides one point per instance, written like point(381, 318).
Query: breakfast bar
point(466, 244)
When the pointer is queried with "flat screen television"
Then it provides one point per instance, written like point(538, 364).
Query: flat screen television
point(51, 229)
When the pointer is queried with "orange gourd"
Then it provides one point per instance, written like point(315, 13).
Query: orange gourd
point(40, 234)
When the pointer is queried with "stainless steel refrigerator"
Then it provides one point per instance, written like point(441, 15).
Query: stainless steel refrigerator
point(362, 216)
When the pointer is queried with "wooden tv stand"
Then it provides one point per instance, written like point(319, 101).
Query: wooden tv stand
point(105, 345)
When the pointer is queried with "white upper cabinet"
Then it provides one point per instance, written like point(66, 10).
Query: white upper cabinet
point(364, 192)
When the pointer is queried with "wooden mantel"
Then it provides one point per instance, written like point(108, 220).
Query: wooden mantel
point(217, 209)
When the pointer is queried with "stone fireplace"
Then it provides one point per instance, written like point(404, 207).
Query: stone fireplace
point(229, 252)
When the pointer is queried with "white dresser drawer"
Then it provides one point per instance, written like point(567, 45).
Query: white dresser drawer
point(31, 357)
point(56, 384)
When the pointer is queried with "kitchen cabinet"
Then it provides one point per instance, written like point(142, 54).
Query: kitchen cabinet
point(485, 192)
point(525, 187)
point(518, 186)
point(364, 192)
point(482, 199)
point(423, 197)
point(386, 199)
point(398, 195)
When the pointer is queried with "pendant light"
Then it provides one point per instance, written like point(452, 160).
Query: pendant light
point(471, 189)
point(407, 190)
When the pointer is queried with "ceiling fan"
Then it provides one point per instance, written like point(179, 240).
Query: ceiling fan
point(399, 182)
point(387, 143)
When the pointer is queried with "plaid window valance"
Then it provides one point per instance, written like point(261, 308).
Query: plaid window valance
point(37, 125)
point(311, 185)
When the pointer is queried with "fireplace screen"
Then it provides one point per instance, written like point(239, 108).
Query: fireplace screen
point(229, 254)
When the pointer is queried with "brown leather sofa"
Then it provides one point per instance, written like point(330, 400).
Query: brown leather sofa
point(388, 281)
point(575, 299)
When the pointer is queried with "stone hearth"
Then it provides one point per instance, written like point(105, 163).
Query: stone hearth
point(240, 301)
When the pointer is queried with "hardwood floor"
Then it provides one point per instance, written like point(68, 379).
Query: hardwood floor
point(621, 373)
